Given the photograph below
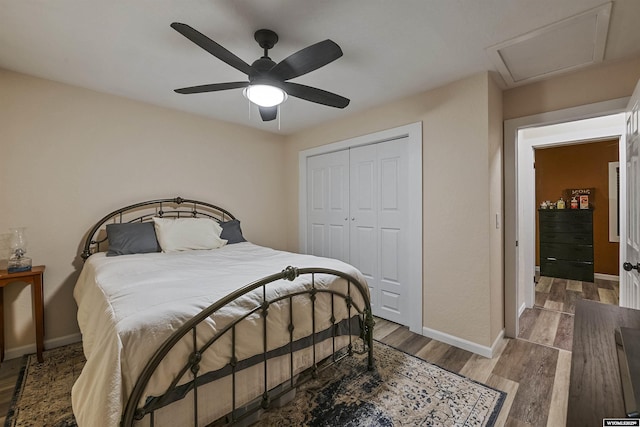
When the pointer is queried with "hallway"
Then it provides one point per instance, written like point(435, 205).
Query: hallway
point(550, 321)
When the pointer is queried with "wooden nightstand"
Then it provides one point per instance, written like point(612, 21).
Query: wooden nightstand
point(35, 279)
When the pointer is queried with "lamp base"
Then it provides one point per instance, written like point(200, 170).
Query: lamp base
point(18, 265)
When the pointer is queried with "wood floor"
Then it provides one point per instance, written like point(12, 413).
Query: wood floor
point(533, 369)
point(9, 371)
point(550, 321)
point(535, 377)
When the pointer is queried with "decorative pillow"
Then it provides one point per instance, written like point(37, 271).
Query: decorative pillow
point(183, 234)
point(131, 238)
point(232, 232)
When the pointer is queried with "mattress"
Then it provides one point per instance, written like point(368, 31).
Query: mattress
point(129, 305)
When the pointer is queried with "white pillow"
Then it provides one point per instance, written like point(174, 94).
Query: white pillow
point(182, 234)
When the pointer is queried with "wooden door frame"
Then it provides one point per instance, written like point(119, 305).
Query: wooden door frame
point(512, 256)
point(413, 132)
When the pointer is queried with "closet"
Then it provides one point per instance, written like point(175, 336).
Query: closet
point(357, 211)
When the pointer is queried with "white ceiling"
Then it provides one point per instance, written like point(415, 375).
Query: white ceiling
point(391, 48)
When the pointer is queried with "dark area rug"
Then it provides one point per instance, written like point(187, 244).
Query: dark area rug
point(403, 390)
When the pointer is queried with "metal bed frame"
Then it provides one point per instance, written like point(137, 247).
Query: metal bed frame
point(359, 321)
point(176, 207)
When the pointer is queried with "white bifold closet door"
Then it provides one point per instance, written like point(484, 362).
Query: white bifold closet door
point(357, 212)
point(328, 205)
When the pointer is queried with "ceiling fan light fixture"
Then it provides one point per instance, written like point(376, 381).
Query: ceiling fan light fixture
point(267, 79)
point(265, 95)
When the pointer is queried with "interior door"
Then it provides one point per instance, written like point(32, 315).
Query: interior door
point(328, 205)
point(630, 275)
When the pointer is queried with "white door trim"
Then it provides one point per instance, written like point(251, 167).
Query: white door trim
point(413, 132)
point(512, 255)
point(574, 132)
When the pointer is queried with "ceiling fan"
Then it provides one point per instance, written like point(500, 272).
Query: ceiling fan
point(267, 86)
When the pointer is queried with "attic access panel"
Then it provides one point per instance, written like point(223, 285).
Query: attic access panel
point(567, 45)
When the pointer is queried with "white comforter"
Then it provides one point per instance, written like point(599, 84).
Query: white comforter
point(128, 305)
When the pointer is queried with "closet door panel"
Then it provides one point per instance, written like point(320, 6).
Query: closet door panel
point(316, 239)
point(392, 222)
point(328, 205)
point(364, 222)
point(390, 289)
point(357, 212)
point(363, 254)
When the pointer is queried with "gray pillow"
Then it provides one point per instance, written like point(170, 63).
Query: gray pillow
point(231, 232)
point(132, 238)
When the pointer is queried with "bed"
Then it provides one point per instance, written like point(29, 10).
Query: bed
point(196, 335)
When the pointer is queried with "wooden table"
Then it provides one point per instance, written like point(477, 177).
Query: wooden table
point(34, 277)
point(595, 388)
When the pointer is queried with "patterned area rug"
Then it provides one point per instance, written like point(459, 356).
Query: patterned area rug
point(403, 390)
point(43, 392)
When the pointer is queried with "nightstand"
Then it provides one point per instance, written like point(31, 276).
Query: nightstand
point(35, 279)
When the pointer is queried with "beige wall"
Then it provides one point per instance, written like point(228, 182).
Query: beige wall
point(69, 155)
point(592, 85)
point(461, 170)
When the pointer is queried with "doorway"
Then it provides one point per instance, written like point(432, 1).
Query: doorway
point(519, 180)
point(572, 239)
point(609, 126)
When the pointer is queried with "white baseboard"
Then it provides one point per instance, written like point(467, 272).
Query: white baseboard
point(13, 353)
point(473, 347)
point(521, 309)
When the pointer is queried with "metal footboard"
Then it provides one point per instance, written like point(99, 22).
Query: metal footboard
point(191, 366)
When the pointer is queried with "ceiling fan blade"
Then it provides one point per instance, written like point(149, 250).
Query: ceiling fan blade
point(268, 113)
point(306, 60)
point(214, 87)
point(212, 47)
point(316, 95)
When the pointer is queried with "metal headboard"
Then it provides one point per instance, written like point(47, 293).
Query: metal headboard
point(145, 211)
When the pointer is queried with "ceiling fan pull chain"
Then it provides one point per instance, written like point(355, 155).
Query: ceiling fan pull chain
point(279, 116)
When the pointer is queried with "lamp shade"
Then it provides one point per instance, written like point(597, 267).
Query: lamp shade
point(265, 95)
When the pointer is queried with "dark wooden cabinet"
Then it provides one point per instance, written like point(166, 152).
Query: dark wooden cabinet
point(566, 243)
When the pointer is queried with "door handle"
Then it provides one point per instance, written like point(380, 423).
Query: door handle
point(628, 266)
